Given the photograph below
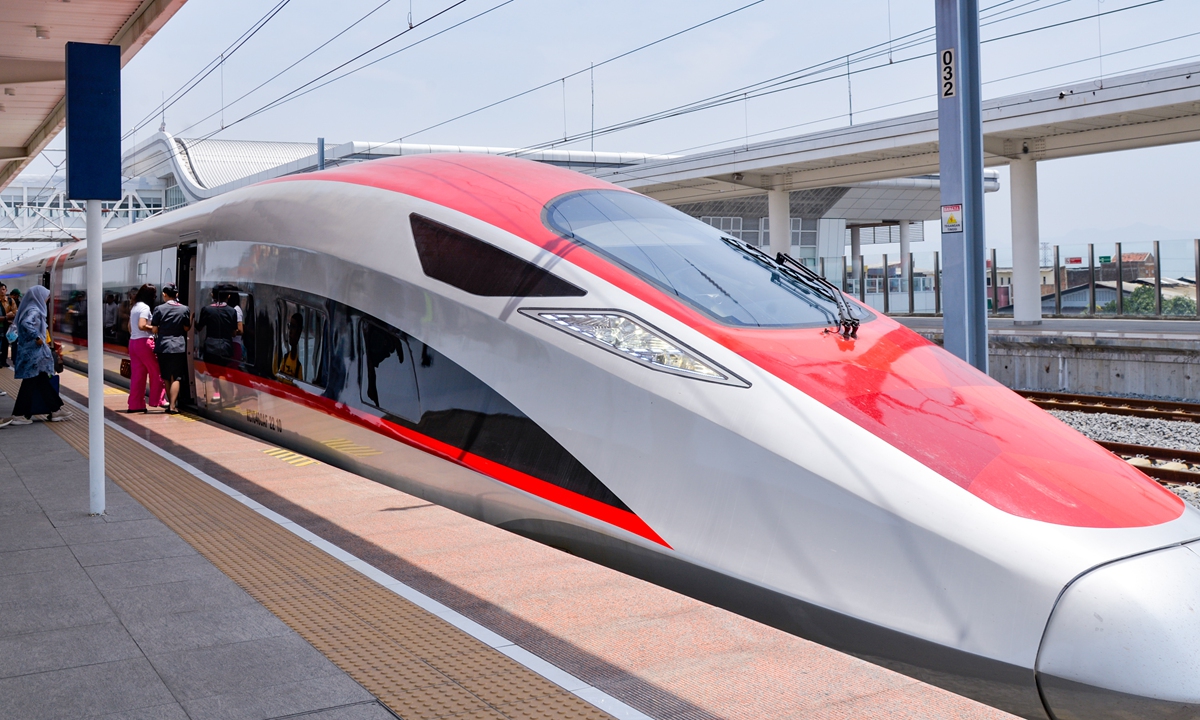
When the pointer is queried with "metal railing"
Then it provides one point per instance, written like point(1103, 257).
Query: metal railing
point(1133, 279)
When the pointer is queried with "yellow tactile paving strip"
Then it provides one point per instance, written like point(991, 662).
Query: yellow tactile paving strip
point(417, 664)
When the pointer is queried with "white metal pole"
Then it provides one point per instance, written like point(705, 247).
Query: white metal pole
point(1026, 245)
point(780, 227)
point(95, 356)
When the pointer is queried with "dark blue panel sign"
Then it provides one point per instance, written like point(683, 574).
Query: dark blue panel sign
point(93, 121)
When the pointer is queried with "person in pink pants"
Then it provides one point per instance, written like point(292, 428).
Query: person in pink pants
point(141, 353)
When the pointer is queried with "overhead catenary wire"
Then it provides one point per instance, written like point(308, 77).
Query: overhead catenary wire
point(854, 174)
point(589, 69)
point(304, 57)
point(996, 10)
point(208, 69)
point(793, 81)
point(927, 96)
point(163, 157)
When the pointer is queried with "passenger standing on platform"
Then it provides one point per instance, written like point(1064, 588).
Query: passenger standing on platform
point(4, 325)
point(141, 354)
point(234, 300)
point(170, 322)
point(35, 363)
point(219, 321)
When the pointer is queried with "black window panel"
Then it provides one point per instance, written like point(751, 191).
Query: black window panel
point(387, 380)
point(299, 351)
point(455, 407)
point(480, 268)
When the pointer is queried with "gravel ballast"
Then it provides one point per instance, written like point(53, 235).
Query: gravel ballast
point(1139, 431)
point(1133, 430)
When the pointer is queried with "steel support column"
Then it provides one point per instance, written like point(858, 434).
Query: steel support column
point(856, 254)
point(960, 147)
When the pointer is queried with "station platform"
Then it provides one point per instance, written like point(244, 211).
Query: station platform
point(1106, 356)
point(1098, 327)
point(234, 579)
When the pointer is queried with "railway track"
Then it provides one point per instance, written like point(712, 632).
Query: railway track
point(1162, 464)
point(1160, 409)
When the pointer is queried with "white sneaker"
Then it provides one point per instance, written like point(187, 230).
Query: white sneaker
point(19, 421)
point(57, 417)
point(2, 393)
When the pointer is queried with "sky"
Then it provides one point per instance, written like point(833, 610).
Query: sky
point(488, 50)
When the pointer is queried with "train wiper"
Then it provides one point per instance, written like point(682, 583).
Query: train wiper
point(847, 323)
point(803, 274)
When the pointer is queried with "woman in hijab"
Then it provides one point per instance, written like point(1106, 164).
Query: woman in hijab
point(35, 363)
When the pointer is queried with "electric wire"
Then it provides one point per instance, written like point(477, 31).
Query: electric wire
point(591, 68)
point(208, 69)
point(767, 88)
point(928, 96)
point(306, 56)
point(737, 92)
point(166, 155)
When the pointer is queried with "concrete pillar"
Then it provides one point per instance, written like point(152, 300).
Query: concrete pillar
point(779, 214)
point(855, 252)
point(905, 250)
point(1026, 247)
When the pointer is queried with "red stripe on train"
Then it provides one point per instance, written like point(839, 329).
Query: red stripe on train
point(502, 473)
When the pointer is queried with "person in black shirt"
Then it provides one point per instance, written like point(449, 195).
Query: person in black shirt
point(170, 322)
point(219, 321)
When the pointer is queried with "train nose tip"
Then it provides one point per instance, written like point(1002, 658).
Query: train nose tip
point(1124, 641)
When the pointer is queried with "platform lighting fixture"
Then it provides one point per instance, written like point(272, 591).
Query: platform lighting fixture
point(636, 340)
point(41, 32)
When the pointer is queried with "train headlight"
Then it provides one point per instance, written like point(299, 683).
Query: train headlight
point(636, 340)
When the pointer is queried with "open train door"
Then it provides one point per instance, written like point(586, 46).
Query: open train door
point(185, 261)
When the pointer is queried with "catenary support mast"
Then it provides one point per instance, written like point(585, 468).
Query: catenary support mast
point(960, 140)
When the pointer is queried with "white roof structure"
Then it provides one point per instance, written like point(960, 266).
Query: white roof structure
point(205, 168)
point(1159, 107)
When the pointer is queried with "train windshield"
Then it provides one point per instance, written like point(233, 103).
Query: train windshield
point(689, 259)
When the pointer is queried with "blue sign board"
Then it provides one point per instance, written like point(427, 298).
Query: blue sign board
point(93, 121)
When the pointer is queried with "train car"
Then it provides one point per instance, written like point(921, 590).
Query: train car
point(585, 366)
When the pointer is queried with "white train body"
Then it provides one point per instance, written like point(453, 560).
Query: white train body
point(874, 494)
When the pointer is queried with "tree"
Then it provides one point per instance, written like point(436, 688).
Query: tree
point(1141, 302)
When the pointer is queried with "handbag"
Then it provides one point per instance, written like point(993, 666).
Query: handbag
point(57, 350)
point(126, 369)
point(11, 335)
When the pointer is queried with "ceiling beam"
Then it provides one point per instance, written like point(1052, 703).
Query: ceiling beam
point(17, 71)
point(132, 37)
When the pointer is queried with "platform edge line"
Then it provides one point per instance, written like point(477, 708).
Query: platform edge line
point(588, 693)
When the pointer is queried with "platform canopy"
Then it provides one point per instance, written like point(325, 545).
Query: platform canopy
point(1147, 109)
point(32, 68)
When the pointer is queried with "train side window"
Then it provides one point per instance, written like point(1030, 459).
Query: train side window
point(300, 345)
point(244, 345)
point(387, 380)
point(481, 268)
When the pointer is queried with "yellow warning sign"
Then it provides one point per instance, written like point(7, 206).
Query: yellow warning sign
point(952, 218)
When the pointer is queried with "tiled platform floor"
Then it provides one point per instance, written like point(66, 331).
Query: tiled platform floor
point(117, 617)
point(665, 654)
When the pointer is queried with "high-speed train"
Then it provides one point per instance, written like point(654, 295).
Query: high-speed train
point(585, 366)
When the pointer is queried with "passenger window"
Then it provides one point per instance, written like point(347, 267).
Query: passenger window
point(243, 345)
point(298, 350)
point(387, 380)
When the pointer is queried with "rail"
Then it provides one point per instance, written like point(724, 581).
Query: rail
point(1135, 407)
